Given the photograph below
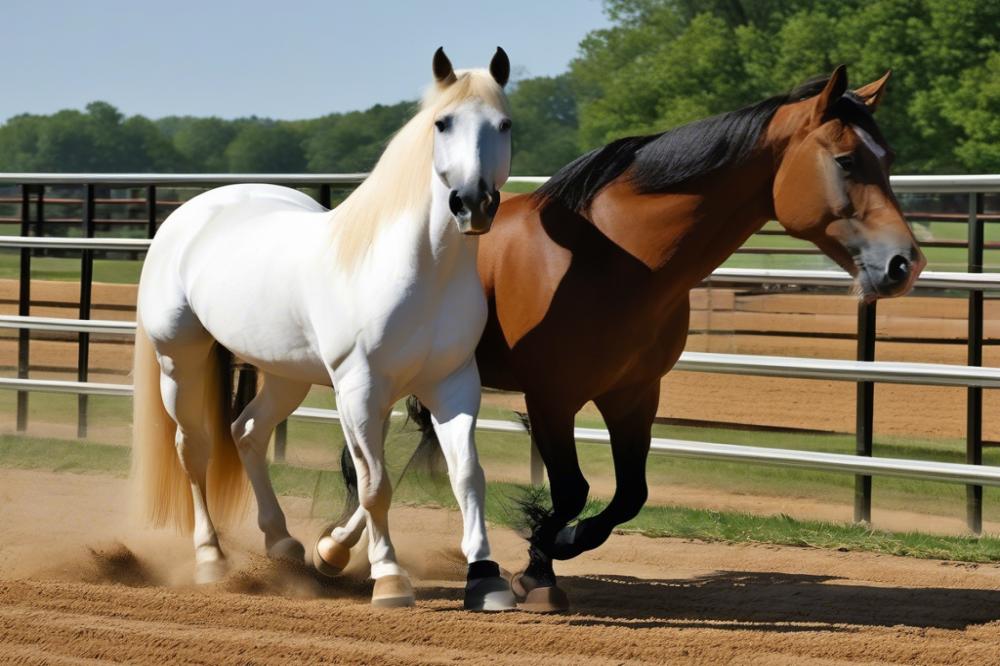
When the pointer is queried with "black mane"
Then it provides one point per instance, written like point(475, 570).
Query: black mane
point(663, 161)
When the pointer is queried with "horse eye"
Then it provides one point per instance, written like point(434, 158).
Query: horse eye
point(846, 162)
point(504, 124)
point(441, 124)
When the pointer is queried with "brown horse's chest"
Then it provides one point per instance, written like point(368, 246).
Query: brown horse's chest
point(589, 345)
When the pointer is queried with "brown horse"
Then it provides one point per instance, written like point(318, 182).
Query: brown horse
point(588, 278)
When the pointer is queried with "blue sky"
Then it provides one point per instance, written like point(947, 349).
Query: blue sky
point(281, 59)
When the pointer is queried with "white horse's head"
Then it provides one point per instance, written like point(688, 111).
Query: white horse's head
point(471, 138)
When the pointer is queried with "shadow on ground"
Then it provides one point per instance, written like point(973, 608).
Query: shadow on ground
point(764, 601)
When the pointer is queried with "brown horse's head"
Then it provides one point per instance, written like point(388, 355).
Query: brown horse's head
point(832, 188)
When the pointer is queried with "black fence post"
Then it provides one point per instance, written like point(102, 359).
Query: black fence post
point(40, 219)
point(86, 291)
point(150, 211)
point(865, 413)
point(324, 196)
point(974, 399)
point(24, 309)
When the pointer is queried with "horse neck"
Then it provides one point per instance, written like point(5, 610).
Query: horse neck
point(682, 236)
point(446, 247)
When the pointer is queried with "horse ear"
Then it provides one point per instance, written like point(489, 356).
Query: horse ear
point(872, 93)
point(444, 73)
point(835, 88)
point(500, 67)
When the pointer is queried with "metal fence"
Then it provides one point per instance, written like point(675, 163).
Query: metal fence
point(863, 372)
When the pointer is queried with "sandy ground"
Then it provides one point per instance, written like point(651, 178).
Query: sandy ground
point(77, 585)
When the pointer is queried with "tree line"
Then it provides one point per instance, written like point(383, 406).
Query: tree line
point(662, 63)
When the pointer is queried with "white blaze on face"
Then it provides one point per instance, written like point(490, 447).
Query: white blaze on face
point(470, 146)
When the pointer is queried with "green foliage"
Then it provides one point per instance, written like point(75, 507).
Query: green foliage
point(266, 147)
point(662, 63)
point(545, 125)
point(99, 139)
point(343, 143)
point(666, 62)
point(202, 142)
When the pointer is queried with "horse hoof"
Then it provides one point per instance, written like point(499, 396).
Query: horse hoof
point(538, 598)
point(287, 549)
point(393, 592)
point(491, 594)
point(330, 557)
point(211, 571)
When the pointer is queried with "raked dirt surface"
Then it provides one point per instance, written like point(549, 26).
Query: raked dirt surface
point(79, 585)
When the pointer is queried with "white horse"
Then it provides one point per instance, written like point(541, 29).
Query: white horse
point(378, 298)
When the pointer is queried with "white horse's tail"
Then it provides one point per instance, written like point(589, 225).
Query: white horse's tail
point(160, 484)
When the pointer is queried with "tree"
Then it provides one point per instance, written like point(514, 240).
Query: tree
point(202, 142)
point(545, 125)
point(265, 147)
point(350, 142)
point(665, 62)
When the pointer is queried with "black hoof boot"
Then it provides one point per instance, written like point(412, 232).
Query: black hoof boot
point(486, 590)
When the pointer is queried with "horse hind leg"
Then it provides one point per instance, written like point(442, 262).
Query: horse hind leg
point(183, 386)
point(277, 398)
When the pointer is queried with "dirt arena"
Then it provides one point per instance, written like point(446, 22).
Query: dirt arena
point(77, 585)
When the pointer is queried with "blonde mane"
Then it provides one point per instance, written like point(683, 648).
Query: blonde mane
point(400, 181)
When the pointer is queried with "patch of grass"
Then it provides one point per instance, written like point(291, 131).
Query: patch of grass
point(734, 527)
point(60, 455)
point(325, 488)
point(67, 269)
point(519, 188)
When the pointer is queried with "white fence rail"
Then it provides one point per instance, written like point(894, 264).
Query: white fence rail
point(812, 460)
point(925, 374)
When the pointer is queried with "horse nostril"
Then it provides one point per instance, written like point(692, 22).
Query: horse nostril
point(455, 203)
point(899, 268)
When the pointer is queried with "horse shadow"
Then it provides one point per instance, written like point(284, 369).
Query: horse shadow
point(765, 601)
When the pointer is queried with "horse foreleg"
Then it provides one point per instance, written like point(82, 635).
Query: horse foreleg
point(364, 416)
point(454, 405)
point(552, 431)
point(629, 417)
point(278, 397)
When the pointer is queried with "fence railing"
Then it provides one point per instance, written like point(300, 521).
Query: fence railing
point(864, 371)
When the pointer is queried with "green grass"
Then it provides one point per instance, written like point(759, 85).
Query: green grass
point(325, 489)
point(118, 271)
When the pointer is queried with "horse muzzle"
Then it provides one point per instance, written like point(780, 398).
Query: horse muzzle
point(894, 273)
point(474, 211)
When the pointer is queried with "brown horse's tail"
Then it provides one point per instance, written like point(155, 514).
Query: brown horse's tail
point(161, 487)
